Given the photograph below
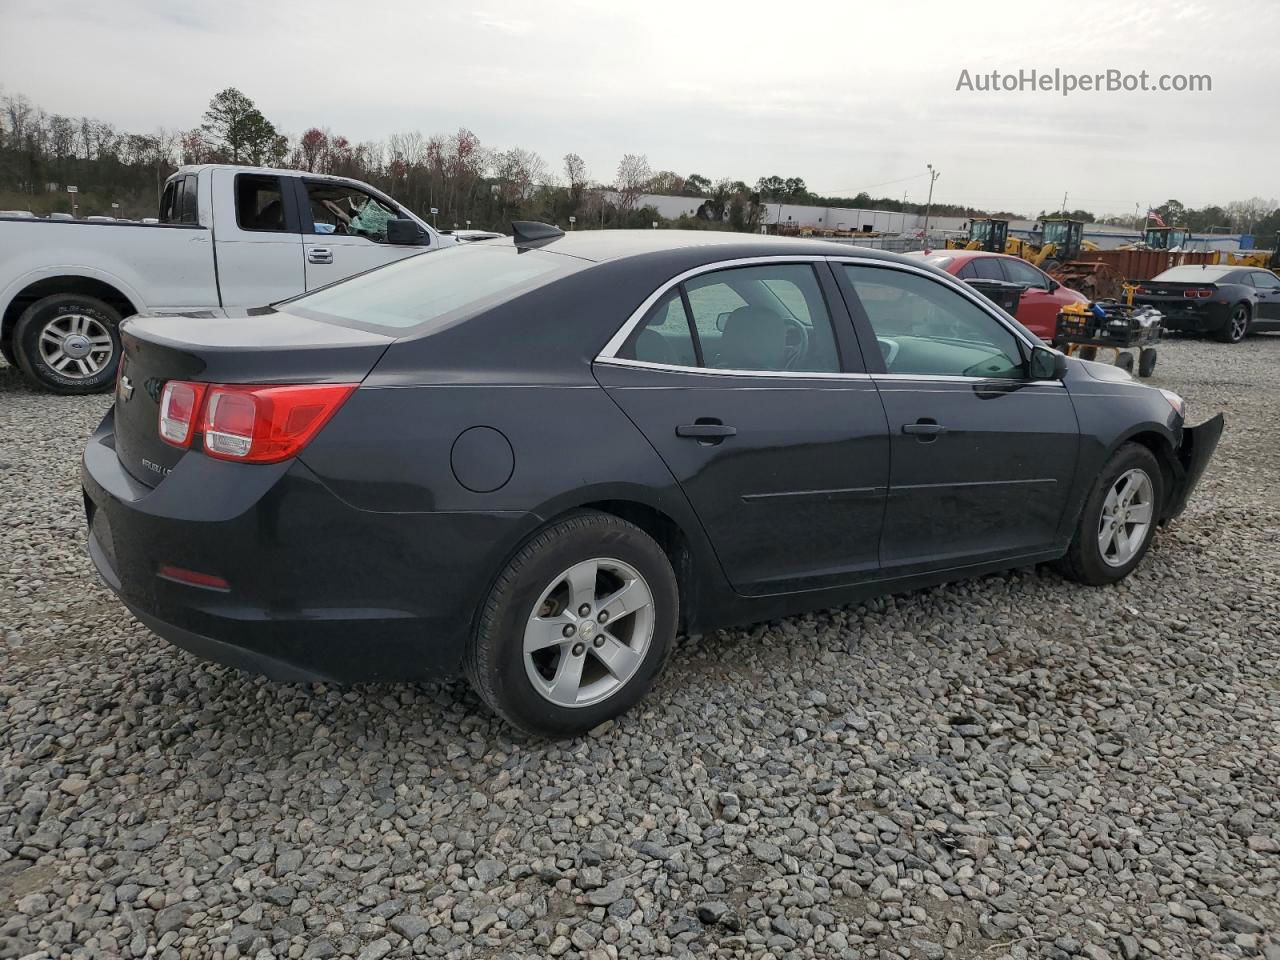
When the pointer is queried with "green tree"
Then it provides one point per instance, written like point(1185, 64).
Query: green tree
point(240, 131)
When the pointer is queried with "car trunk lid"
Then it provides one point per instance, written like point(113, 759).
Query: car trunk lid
point(251, 347)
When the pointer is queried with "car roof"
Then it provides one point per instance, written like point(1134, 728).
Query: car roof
point(960, 255)
point(599, 246)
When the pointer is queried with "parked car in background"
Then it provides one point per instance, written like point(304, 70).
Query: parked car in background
point(227, 236)
point(1042, 296)
point(535, 462)
point(1228, 302)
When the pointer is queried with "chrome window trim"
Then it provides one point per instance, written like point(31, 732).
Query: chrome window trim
point(717, 372)
point(608, 356)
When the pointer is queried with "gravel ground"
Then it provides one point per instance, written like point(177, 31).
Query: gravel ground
point(1013, 766)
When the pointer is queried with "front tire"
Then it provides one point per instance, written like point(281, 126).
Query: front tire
point(69, 343)
point(1118, 520)
point(1237, 326)
point(576, 628)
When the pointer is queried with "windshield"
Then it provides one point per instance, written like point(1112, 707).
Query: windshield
point(429, 287)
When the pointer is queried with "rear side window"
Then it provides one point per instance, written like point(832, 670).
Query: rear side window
point(432, 285)
point(985, 268)
point(259, 203)
point(770, 319)
point(188, 206)
point(168, 212)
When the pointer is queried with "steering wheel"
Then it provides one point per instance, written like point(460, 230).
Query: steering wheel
point(888, 350)
point(797, 343)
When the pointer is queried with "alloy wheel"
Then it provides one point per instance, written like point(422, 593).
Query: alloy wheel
point(76, 345)
point(1239, 324)
point(589, 632)
point(1127, 514)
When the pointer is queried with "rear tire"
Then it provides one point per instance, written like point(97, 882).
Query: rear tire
point(6, 351)
point(1147, 362)
point(1111, 536)
point(544, 664)
point(1125, 362)
point(69, 343)
point(1237, 326)
point(1088, 353)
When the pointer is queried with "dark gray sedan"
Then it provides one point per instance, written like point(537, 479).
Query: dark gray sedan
point(538, 461)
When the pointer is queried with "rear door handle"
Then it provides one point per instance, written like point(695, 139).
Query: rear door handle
point(706, 431)
point(320, 255)
point(925, 429)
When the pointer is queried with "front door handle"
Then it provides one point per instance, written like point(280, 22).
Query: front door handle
point(925, 429)
point(706, 430)
point(320, 255)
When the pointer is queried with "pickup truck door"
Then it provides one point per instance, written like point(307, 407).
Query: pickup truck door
point(257, 238)
point(335, 250)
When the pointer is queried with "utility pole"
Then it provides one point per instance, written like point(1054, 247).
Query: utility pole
point(928, 207)
point(1063, 212)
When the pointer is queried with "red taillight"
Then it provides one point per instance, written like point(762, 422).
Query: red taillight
point(179, 405)
point(267, 424)
point(1145, 291)
point(1197, 293)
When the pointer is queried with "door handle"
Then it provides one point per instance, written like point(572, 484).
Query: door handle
point(320, 255)
point(706, 430)
point(925, 429)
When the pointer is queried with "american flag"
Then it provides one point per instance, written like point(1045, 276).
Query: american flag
point(1155, 218)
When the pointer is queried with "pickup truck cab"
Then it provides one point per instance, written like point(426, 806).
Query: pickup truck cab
point(226, 237)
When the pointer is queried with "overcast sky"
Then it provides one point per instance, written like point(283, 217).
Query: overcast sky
point(848, 95)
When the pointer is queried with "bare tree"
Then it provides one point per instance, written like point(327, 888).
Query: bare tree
point(519, 172)
point(633, 176)
point(575, 171)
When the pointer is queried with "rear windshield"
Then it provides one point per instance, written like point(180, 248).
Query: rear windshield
point(1193, 274)
point(427, 288)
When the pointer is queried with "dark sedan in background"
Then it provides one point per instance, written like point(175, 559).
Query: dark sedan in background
point(1228, 302)
point(536, 462)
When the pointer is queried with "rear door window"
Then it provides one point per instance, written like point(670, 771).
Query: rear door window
point(260, 203)
point(167, 205)
point(768, 318)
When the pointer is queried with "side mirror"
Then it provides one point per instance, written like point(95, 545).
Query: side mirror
point(406, 232)
point(1053, 285)
point(1047, 364)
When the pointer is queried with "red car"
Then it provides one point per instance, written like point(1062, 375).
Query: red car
point(1042, 296)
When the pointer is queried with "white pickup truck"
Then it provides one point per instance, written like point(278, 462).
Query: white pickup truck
point(227, 236)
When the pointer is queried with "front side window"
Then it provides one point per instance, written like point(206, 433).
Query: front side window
point(259, 203)
point(336, 208)
point(925, 328)
point(770, 318)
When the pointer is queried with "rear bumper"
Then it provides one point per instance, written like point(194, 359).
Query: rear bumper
point(1177, 315)
point(317, 589)
point(1194, 454)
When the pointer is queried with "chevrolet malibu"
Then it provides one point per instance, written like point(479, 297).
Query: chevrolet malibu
point(537, 462)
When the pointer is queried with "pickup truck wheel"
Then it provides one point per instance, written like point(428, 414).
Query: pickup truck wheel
point(1118, 520)
point(69, 343)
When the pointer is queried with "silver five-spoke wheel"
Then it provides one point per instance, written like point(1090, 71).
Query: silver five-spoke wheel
point(1126, 517)
point(589, 632)
point(1239, 323)
point(76, 346)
